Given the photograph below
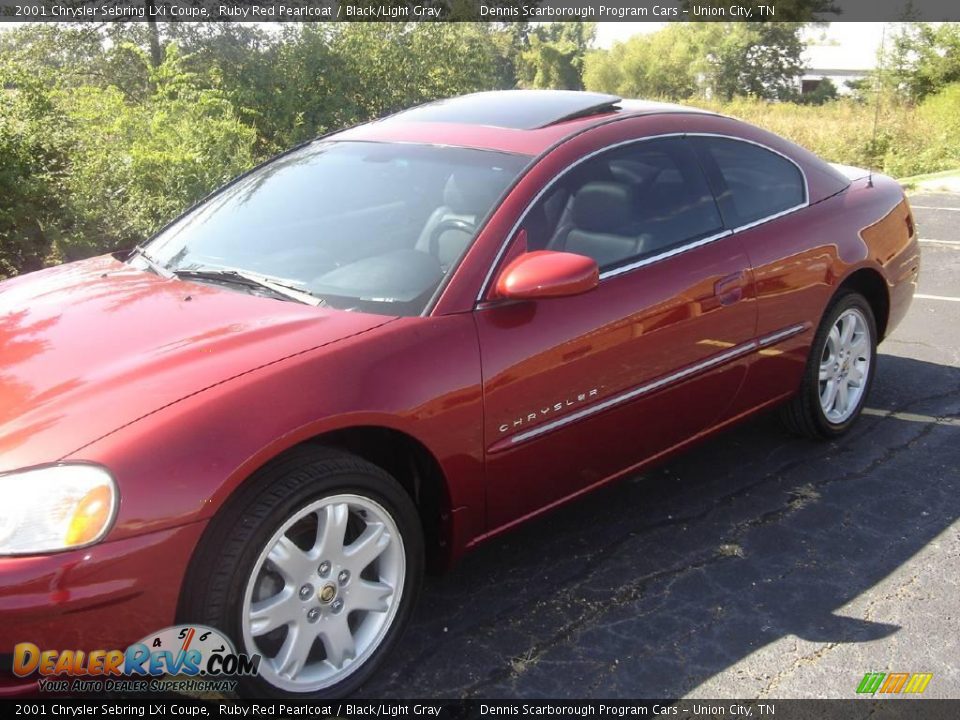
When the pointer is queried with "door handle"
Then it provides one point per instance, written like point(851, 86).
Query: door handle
point(729, 289)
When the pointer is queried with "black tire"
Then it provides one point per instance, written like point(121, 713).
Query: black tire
point(803, 414)
point(227, 556)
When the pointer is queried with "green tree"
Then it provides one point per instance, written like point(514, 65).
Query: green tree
point(665, 64)
point(392, 67)
point(509, 41)
point(135, 165)
point(150, 30)
point(921, 60)
point(319, 77)
point(760, 60)
point(555, 55)
point(825, 91)
point(31, 167)
point(716, 59)
point(243, 61)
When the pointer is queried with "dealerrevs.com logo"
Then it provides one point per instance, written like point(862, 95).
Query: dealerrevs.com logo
point(894, 683)
point(182, 658)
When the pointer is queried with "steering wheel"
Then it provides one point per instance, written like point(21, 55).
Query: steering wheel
point(445, 225)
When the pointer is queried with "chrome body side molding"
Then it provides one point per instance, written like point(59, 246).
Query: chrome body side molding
point(680, 375)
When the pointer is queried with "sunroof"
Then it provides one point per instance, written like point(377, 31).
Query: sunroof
point(517, 109)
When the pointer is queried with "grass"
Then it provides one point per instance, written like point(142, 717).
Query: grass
point(947, 179)
point(908, 140)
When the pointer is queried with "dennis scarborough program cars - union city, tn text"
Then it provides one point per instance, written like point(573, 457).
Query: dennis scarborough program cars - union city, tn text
point(383, 347)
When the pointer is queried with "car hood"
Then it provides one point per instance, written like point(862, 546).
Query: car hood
point(89, 347)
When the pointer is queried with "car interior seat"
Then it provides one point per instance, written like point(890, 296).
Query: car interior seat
point(468, 195)
point(601, 224)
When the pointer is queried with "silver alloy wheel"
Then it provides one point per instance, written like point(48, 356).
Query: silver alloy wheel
point(324, 592)
point(845, 366)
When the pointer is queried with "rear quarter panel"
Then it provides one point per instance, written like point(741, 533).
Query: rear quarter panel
point(801, 260)
point(892, 244)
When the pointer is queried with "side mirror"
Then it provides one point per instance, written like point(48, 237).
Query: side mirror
point(547, 274)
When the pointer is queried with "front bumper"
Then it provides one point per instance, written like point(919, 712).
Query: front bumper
point(102, 597)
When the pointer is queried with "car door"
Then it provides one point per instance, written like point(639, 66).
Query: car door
point(578, 389)
point(759, 192)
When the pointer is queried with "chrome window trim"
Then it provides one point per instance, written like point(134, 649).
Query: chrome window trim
point(619, 270)
point(768, 218)
point(710, 362)
point(485, 286)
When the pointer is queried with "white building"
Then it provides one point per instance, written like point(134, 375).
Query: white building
point(836, 63)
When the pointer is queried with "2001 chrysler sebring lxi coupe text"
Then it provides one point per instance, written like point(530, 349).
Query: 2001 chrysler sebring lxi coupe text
point(387, 345)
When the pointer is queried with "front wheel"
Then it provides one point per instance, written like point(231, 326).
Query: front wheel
point(839, 371)
point(315, 566)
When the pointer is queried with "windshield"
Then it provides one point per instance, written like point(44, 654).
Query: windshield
point(364, 226)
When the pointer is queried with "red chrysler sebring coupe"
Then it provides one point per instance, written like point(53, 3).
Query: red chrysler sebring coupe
point(372, 353)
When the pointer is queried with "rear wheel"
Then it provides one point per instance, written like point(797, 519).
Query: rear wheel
point(839, 371)
point(315, 566)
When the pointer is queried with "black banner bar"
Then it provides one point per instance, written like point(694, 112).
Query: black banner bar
point(889, 709)
point(478, 10)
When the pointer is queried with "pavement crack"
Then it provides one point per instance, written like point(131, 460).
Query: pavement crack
point(807, 659)
point(897, 593)
point(592, 610)
point(729, 549)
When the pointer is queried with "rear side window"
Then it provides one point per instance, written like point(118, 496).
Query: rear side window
point(627, 204)
point(753, 183)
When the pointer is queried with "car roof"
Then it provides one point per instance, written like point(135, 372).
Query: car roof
point(519, 121)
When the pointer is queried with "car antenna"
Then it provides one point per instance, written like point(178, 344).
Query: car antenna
point(878, 85)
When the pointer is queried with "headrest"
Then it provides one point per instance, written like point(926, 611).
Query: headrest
point(633, 172)
point(470, 192)
point(604, 207)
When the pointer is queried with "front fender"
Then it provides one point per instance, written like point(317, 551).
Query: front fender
point(419, 376)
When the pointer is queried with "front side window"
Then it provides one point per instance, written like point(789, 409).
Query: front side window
point(362, 226)
point(756, 183)
point(626, 204)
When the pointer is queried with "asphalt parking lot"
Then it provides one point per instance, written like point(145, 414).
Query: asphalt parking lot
point(755, 566)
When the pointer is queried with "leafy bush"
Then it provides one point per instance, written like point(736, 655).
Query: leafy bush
point(940, 117)
point(908, 140)
point(715, 59)
point(99, 146)
point(31, 164)
point(136, 165)
point(87, 168)
point(824, 92)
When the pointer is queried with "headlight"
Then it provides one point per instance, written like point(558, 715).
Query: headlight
point(56, 507)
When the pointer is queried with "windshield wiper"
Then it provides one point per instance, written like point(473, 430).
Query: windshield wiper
point(241, 277)
point(155, 265)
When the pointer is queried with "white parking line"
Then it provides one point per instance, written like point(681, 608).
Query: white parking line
point(952, 244)
point(932, 207)
point(913, 417)
point(936, 297)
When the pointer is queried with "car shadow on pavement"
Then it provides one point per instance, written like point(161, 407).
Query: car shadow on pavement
point(651, 586)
